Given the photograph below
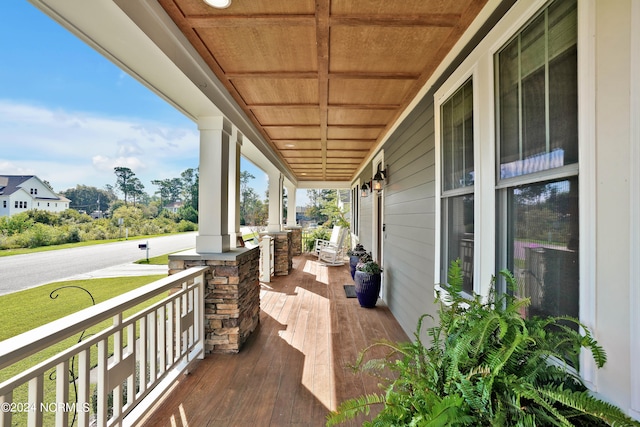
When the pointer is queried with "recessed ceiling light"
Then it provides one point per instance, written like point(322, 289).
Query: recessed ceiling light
point(220, 4)
point(289, 145)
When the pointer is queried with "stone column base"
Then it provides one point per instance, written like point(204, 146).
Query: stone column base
point(232, 295)
point(296, 239)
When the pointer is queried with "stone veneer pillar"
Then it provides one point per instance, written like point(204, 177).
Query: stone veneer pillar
point(283, 258)
point(232, 295)
point(296, 239)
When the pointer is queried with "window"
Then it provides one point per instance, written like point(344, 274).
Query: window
point(537, 160)
point(537, 89)
point(456, 124)
point(542, 246)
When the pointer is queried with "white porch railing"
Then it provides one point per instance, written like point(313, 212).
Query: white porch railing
point(123, 369)
point(267, 255)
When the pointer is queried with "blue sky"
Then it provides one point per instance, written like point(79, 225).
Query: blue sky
point(69, 116)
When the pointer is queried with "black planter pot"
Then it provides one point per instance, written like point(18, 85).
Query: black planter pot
point(367, 288)
point(353, 261)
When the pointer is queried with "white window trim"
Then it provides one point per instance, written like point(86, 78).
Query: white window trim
point(355, 207)
point(587, 177)
point(378, 160)
point(634, 199)
point(455, 82)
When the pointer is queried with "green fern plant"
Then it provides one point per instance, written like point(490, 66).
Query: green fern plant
point(485, 366)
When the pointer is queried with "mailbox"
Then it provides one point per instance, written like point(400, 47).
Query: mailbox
point(142, 246)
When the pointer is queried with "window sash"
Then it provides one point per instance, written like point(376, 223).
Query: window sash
point(456, 126)
point(537, 68)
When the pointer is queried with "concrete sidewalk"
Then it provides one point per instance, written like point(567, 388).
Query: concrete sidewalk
point(122, 270)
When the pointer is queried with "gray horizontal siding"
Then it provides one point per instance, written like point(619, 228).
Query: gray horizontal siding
point(409, 217)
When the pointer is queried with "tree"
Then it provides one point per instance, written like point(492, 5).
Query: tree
point(334, 213)
point(247, 195)
point(136, 189)
point(251, 208)
point(318, 202)
point(123, 180)
point(88, 198)
point(190, 181)
point(169, 189)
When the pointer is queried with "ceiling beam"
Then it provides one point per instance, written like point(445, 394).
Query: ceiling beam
point(214, 21)
point(428, 20)
point(322, 43)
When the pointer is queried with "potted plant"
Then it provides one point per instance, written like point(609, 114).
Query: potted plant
point(354, 257)
point(486, 365)
point(367, 278)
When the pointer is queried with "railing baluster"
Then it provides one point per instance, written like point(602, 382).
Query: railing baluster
point(169, 322)
point(177, 318)
point(200, 313)
point(142, 355)
point(162, 339)
point(103, 383)
point(5, 418)
point(62, 393)
point(131, 380)
point(153, 347)
point(117, 357)
point(36, 394)
point(84, 377)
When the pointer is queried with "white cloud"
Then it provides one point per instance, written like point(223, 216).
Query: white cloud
point(107, 164)
point(68, 148)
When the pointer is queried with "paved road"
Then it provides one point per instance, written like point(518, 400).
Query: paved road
point(26, 271)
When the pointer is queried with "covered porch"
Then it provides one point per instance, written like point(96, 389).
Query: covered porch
point(295, 366)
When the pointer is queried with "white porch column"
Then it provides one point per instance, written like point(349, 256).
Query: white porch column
point(213, 223)
point(234, 189)
point(275, 202)
point(291, 205)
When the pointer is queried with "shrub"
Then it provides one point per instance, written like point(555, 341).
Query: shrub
point(486, 366)
point(184, 226)
point(43, 217)
point(15, 224)
point(318, 233)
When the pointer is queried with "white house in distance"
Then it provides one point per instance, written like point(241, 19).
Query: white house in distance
point(19, 193)
point(173, 206)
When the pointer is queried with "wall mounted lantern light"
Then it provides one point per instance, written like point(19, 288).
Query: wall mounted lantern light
point(379, 180)
point(220, 4)
point(365, 190)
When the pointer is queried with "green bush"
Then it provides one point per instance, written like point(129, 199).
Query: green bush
point(486, 366)
point(43, 217)
point(39, 228)
point(318, 233)
point(15, 224)
point(184, 226)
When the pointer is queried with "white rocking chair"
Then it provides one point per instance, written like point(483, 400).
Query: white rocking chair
point(335, 254)
point(332, 242)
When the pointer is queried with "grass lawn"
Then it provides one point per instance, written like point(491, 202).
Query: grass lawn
point(33, 307)
point(156, 260)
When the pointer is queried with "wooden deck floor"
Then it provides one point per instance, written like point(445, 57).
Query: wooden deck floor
point(293, 369)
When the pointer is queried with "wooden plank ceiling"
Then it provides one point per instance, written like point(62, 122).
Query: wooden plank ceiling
point(323, 79)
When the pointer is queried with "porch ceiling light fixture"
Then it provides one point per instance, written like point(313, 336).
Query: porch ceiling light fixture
point(379, 180)
point(364, 190)
point(220, 4)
